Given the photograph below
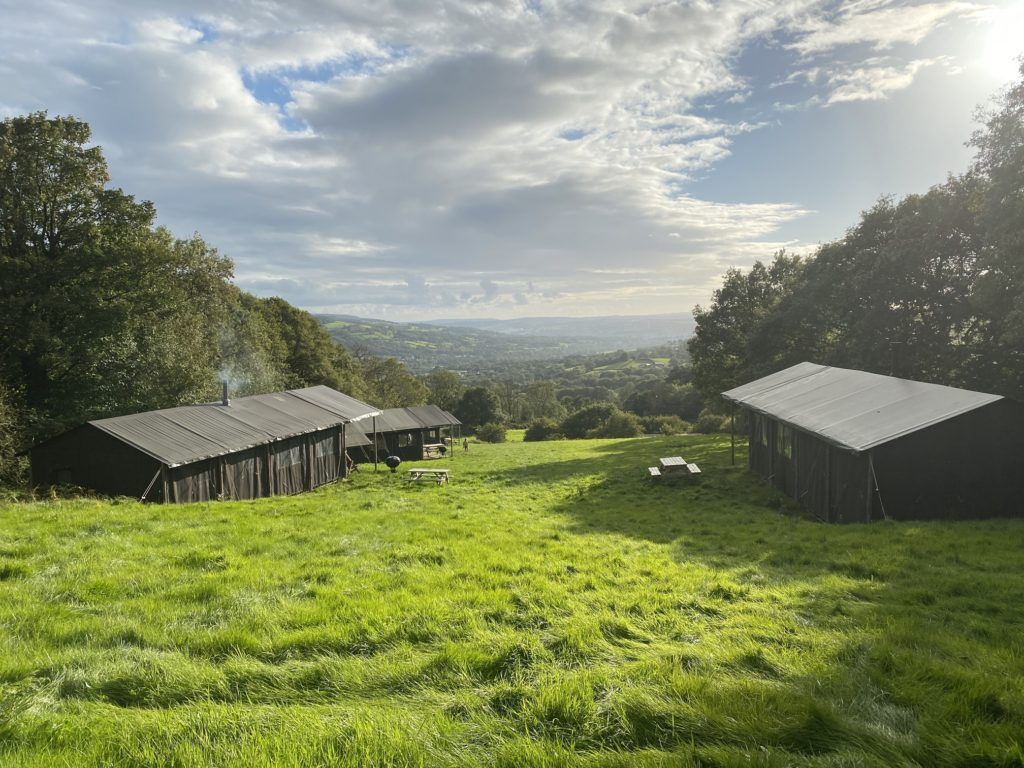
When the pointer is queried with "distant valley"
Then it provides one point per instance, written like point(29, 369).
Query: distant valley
point(467, 345)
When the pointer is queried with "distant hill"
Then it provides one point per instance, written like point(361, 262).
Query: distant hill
point(465, 346)
point(620, 332)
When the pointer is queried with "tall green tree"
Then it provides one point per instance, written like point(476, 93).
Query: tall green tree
point(999, 162)
point(95, 303)
point(721, 345)
point(389, 384)
point(445, 388)
point(478, 406)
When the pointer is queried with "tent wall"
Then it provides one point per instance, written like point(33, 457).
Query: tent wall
point(283, 468)
point(966, 467)
point(89, 457)
point(198, 481)
point(970, 467)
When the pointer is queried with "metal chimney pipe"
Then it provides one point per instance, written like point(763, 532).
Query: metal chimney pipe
point(224, 395)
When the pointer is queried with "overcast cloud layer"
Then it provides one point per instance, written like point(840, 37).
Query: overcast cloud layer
point(410, 160)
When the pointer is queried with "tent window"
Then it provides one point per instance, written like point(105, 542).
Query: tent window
point(291, 457)
point(785, 441)
point(325, 447)
point(405, 439)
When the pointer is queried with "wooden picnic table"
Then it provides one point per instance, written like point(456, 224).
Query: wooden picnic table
point(673, 464)
point(439, 476)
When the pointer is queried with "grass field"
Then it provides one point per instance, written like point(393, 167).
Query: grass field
point(549, 607)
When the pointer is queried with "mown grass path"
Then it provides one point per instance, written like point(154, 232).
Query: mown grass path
point(549, 607)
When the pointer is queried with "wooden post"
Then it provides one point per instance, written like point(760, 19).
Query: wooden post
point(374, 443)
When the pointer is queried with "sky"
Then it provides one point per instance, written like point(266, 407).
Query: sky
point(462, 158)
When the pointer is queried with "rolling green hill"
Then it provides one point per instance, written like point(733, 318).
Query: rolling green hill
point(549, 607)
point(424, 346)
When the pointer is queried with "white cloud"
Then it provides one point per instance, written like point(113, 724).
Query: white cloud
point(874, 81)
point(878, 24)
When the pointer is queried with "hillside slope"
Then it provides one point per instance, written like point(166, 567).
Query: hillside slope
point(549, 607)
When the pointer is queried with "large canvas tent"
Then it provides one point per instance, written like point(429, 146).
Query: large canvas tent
point(264, 445)
point(854, 446)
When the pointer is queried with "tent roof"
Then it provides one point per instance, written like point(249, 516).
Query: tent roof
point(854, 410)
point(331, 400)
point(191, 433)
point(431, 416)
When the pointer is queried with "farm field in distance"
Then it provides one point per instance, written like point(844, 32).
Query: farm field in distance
point(549, 607)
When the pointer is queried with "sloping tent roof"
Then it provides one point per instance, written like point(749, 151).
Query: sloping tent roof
point(851, 409)
point(452, 418)
point(336, 402)
point(190, 433)
point(431, 416)
point(396, 420)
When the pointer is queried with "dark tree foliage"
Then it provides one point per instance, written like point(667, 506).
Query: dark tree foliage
point(720, 348)
point(99, 311)
point(585, 420)
point(389, 384)
point(478, 406)
point(445, 388)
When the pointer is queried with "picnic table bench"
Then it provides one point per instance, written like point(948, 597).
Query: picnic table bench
point(673, 466)
point(439, 476)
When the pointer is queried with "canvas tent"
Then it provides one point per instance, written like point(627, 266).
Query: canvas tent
point(855, 446)
point(409, 433)
point(265, 445)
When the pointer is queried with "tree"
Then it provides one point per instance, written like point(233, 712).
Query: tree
point(390, 385)
point(540, 401)
point(445, 388)
point(999, 163)
point(720, 347)
point(99, 310)
point(478, 406)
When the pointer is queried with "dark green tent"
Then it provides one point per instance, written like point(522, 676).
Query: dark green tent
point(852, 446)
point(265, 445)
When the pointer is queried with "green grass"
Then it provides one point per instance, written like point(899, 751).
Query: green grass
point(549, 607)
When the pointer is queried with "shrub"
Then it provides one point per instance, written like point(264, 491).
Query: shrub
point(491, 433)
point(708, 423)
point(618, 424)
point(665, 425)
point(541, 429)
point(586, 420)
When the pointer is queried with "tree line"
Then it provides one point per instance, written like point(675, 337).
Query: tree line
point(927, 287)
point(103, 313)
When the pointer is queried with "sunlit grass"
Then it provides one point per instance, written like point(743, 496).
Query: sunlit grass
point(548, 607)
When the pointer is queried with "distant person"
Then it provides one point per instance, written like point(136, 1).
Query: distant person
point(465, 444)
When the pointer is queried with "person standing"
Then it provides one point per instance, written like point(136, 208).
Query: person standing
point(465, 445)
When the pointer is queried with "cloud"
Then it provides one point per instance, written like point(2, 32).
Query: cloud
point(874, 81)
point(413, 158)
point(881, 25)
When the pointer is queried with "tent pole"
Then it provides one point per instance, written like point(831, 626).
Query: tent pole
point(867, 518)
point(374, 443)
point(732, 430)
point(151, 482)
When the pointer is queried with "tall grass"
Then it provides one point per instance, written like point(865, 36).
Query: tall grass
point(548, 607)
